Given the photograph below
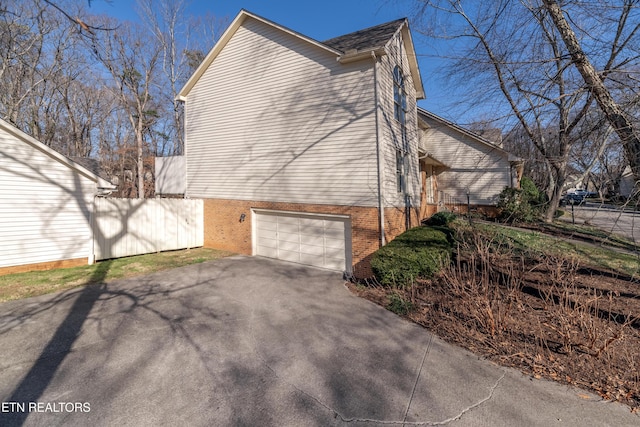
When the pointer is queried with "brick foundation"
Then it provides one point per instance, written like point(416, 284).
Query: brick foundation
point(223, 228)
point(486, 210)
point(395, 222)
point(50, 265)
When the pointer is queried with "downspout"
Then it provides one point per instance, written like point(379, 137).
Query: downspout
point(92, 216)
point(378, 154)
point(183, 100)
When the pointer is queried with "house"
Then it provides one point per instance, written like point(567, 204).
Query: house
point(170, 177)
point(459, 167)
point(309, 151)
point(45, 205)
point(628, 186)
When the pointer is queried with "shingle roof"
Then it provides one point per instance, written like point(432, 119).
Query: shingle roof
point(93, 165)
point(367, 39)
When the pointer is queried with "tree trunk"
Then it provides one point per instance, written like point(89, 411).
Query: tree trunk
point(140, 162)
point(612, 111)
point(560, 171)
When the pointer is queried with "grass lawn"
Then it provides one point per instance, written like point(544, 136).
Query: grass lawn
point(587, 254)
point(33, 283)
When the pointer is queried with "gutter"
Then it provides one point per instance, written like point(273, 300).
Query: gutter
point(378, 154)
point(358, 55)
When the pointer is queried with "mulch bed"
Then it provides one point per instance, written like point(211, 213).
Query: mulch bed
point(578, 327)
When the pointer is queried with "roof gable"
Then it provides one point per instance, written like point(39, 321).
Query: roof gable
point(474, 136)
point(346, 48)
point(28, 139)
point(242, 16)
point(371, 38)
point(360, 44)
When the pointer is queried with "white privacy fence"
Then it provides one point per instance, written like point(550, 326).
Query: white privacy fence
point(125, 227)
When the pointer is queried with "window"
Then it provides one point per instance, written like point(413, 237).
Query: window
point(399, 170)
point(400, 114)
point(399, 96)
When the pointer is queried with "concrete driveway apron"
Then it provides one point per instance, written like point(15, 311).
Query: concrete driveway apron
point(257, 342)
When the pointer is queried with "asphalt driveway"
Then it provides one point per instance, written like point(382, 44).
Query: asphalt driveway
point(251, 341)
point(608, 218)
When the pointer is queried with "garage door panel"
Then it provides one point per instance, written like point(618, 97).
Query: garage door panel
point(292, 256)
point(288, 228)
point(315, 230)
point(337, 224)
point(312, 240)
point(334, 243)
point(290, 220)
point(336, 253)
point(289, 246)
point(267, 250)
point(334, 233)
point(262, 239)
point(267, 225)
point(334, 263)
point(271, 234)
point(315, 250)
point(309, 259)
point(288, 237)
point(310, 222)
point(302, 238)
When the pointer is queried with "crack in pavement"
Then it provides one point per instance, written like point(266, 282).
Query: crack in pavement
point(415, 384)
point(344, 419)
point(475, 405)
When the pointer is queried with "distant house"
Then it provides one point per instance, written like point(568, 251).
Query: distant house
point(628, 185)
point(456, 162)
point(170, 176)
point(316, 152)
point(45, 205)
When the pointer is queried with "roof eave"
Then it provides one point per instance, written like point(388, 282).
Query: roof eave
point(359, 55)
point(464, 131)
point(413, 60)
point(100, 182)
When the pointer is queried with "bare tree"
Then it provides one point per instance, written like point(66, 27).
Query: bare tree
point(165, 20)
point(184, 42)
point(44, 76)
point(132, 59)
point(513, 56)
point(513, 61)
point(23, 32)
point(52, 87)
point(616, 116)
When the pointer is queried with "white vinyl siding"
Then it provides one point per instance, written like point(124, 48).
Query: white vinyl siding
point(320, 241)
point(391, 129)
point(44, 206)
point(483, 170)
point(276, 118)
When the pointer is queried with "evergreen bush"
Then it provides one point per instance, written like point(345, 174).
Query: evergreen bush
point(521, 205)
point(416, 253)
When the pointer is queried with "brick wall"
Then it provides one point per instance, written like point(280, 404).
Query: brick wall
point(223, 228)
point(395, 223)
point(49, 265)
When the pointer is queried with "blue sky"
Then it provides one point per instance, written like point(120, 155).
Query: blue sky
point(322, 20)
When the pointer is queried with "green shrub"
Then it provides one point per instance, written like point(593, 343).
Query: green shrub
point(418, 252)
point(399, 305)
point(441, 218)
point(521, 205)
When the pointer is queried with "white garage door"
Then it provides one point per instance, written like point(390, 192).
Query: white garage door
point(320, 241)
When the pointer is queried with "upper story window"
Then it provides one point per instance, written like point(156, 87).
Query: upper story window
point(399, 96)
point(400, 168)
